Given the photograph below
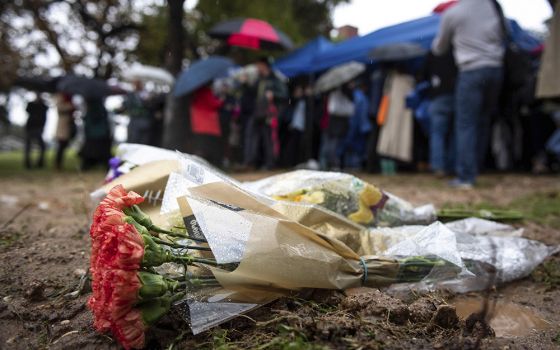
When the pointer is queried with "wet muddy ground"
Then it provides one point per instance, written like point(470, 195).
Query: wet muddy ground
point(44, 249)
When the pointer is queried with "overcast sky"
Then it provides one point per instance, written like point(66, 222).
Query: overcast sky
point(369, 15)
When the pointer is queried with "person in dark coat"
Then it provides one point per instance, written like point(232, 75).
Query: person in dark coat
point(36, 120)
point(5, 123)
point(141, 117)
point(271, 94)
point(97, 131)
point(441, 73)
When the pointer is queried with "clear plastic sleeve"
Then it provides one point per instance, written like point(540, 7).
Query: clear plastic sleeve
point(491, 259)
point(272, 254)
point(344, 194)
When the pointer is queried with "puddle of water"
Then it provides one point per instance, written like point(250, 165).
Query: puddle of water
point(506, 318)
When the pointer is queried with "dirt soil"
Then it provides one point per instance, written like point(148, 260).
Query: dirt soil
point(44, 249)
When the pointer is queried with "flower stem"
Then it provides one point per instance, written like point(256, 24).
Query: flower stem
point(181, 235)
point(191, 259)
point(200, 283)
point(143, 219)
point(175, 298)
point(191, 276)
point(180, 246)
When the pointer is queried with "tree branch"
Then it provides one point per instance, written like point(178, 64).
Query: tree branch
point(42, 24)
point(121, 29)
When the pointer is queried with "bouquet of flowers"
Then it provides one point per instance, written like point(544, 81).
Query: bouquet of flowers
point(242, 249)
point(343, 194)
point(128, 294)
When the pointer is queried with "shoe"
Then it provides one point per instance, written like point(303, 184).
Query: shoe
point(460, 185)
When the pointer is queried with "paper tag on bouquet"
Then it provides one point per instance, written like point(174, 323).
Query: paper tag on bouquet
point(194, 171)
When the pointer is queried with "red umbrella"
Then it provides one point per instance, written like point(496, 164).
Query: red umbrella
point(444, 6)
point(251, 33)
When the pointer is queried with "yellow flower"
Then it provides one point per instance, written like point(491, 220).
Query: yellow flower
point(369, 196)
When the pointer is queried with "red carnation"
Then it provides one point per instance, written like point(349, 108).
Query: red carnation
point(103, 213)
point(129, 330)
point(115, 292)
point(119, 198)
point(102, 320)
point(112, 205)
point(126, 299)
point(120, 292)
point(122, 247)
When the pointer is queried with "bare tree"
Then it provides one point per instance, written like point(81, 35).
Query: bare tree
point(89, 37)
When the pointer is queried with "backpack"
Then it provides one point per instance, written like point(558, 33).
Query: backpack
point(517, 62)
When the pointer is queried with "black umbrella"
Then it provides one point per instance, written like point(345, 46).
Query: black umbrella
point(88, 88)
point(251, 33)
point(200, 73)
point(397, 52)
point(38, 83)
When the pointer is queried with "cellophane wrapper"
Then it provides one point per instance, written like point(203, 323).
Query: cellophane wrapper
point(494, 252)
point(344, 194)
point(229, 216)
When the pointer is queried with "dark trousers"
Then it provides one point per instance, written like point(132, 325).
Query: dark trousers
point(295, 151)
point(61, 148)
point(140, 130)
point(32, 137)
point(259, 141)
point(209, 147)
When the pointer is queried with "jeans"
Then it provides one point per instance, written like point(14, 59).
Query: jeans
point(442, 148)
point(476, 100)
point(352, 152)
point(328, 157)
point(553, 143)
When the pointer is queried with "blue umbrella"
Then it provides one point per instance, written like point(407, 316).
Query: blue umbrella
point(201, 73)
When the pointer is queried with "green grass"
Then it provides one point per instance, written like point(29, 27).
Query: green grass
point(290, 338)
point(543, 208)
point(7, 238)
point(556, 339)
point(11, 163)
point(540, 207)
point(549, 274)
point(283, 338)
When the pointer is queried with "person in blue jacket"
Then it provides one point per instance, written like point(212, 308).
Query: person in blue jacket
point(353, 149)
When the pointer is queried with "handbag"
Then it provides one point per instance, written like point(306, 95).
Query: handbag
point(517, 63)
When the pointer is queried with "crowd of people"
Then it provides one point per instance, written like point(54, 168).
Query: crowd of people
point(365, 123)
point(268, 123)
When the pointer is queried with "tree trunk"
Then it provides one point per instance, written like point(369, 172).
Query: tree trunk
point(177, 120)
point(175, 36)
